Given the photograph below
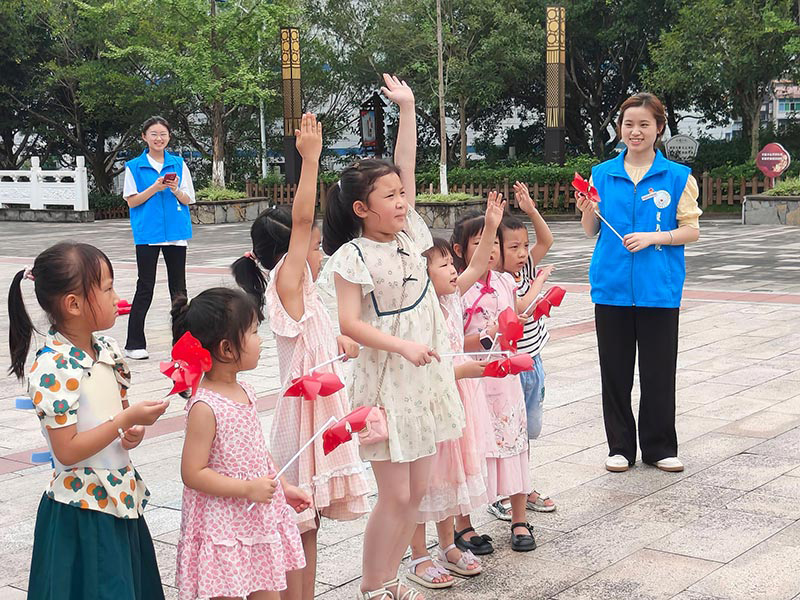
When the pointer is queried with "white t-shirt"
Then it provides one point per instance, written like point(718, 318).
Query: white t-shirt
point(186, 186)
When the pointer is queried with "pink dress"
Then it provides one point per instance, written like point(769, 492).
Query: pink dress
point(507, 456)
point(457, 484)
point(337, 481)
point(224, 550)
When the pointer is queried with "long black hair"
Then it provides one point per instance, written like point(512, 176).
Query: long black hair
point(355, 183)
point(270, 234)
point(214, 315)
point(66, 268)
point(468, 225)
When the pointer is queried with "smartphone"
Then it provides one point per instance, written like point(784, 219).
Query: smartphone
point(170, 177)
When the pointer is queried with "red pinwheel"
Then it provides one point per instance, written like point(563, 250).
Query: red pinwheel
point(316, 384)
point(123, 307)
point(343, 430)
point(552, 297)
point(189, 361)
point(580, 184)
point(510, 329)
point(512, 365)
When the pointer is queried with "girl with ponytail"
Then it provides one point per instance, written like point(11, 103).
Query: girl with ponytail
point(387, 304)
point(287, 245)
point(78, 383)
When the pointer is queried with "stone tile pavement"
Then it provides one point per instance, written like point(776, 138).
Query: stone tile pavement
point(728, 527)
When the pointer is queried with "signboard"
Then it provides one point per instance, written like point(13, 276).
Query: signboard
point(681, 148)
point(371, 127)
point(369, 133)
point(773, 160)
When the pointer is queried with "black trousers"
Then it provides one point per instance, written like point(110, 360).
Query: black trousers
point(620, 330)
point(146, 264)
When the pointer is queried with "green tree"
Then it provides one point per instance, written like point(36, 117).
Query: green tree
point(209, 51)
point(81, 101)
point(724, 54)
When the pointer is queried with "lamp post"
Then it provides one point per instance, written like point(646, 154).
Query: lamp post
point(292, 112)
point(554, 149)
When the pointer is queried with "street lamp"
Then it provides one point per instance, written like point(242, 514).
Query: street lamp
point(554, 148)
point(292, 111)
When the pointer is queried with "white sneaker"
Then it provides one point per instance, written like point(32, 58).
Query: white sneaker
point(670, 465)
point(138, 354)
point(617, 463)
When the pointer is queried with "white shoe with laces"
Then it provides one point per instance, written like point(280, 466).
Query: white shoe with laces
point(617, 463)
point(671, 464)
point(137, 354)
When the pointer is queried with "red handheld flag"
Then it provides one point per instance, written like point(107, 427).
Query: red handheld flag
point(510, 329)
point(552, 297)
point(123, 307)
point(580, 184)
point(512, 365)
point(316, 384)
point(189, 361)
point(343, 430)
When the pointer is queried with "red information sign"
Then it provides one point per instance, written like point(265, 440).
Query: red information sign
point(773, 160)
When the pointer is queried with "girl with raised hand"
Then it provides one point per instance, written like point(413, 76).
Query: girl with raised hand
point(288, 245)
point(386, 304)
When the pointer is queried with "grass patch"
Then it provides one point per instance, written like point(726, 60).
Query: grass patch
point(446, 199)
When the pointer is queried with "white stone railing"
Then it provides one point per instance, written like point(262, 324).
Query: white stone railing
point(38, 188)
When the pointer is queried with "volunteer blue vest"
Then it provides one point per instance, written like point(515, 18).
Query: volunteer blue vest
point(651, 277)
point(161, 218)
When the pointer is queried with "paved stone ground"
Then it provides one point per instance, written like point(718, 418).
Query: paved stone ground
point(728, 527)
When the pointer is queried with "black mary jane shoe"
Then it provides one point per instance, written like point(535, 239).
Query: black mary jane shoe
point(524, 542)
point(477, 544)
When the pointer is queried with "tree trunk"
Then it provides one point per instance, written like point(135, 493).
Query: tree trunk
point(755, 129)
point(443, 187)
point(598, 138)
point(218, 146)
point(672, 118)
point(462, 125)
point(217, 119)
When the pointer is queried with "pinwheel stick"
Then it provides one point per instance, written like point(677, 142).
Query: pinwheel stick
point(327, 362)
point(530, 306)
point(603, 219)
point(484, 353)
point(320, 431)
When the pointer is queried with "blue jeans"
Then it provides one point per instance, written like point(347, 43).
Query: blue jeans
point(533, 388)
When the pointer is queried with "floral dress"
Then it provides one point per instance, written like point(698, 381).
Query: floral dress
point(225, 549)
point(336, 482)
point(422, 403)
point(457, 484)
point(507, 457)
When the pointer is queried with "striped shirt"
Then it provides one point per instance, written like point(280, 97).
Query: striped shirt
point(535, 334)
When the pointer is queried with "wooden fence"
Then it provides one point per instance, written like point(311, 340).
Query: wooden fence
point(714, 191)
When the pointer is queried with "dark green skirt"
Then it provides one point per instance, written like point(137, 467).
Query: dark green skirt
point(80, 554)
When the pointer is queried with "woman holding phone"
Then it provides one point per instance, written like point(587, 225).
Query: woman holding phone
point(158, 189)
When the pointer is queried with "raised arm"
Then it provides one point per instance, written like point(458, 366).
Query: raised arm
point(405, 151)
point(480, 259)
point(544, 237)
point(289, 283)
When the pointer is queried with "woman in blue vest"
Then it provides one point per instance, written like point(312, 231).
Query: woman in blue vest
point(158, 189)
point(637, 282)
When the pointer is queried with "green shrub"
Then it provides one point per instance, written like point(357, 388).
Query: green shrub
point(787, 187)
point(449, 198)
point(218, 194)
point(529, 173)
point(99, 201)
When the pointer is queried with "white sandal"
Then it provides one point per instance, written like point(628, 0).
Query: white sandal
point(461, 566)
point(410, 593)
point(379, 594)
point(428, 576)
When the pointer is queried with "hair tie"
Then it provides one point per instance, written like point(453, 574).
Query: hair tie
point(28, 274)
point(249, 255)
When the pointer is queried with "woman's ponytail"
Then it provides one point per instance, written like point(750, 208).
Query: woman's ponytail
point(20, 327)
point(249, 277)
